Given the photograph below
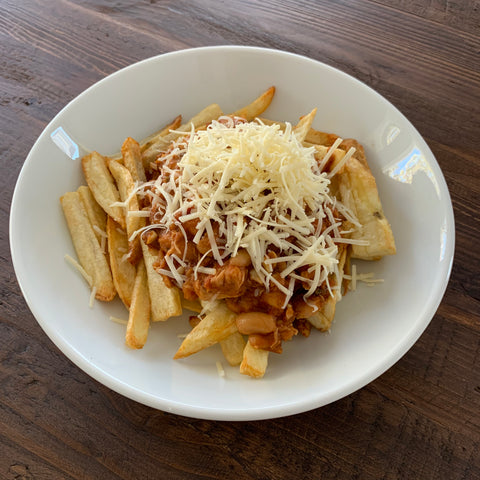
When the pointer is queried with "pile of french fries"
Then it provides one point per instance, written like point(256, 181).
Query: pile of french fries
point(103, 218)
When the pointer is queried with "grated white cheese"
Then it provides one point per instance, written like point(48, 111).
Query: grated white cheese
point(220, 369)
point(92, 296)
point(80, 269)
point(120, 321)
point(367, 278)
point(138, 213)
point(262, 188)
point(99, 231)
point(342, 162)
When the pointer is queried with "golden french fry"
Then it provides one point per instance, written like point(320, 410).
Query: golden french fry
point(90, 255)
point(359, 193)
point(216, 326)
point(313, 137)
point(139, 315)
point(254, 362)
point(267, 121)
point(126, 185)
point(124, 181)
point(317, 137)
point(257, 107)
point(322, 319)
point(95, 213)
point(160, 144)
point(335, 157)
point(146, 142)
point(165, 301)
point(191, 305)
point(359, 154)
point(232, 348)
point(123, 272)
point(302, 128)
point(102, 185)
point(132, 159)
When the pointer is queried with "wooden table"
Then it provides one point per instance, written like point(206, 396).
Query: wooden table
point(419, 420)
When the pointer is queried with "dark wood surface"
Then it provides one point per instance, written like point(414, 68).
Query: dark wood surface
point(419, 420)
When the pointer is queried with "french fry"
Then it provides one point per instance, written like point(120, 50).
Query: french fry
point(313, 137)
point(216, 326)
point(126, 185)
point(123, 272)
point(89, 253)
point(160, 144)
point(303, 126)
point(322, 319)
point(102, 185)
point(139, 314)
point(146, 142)
point(316, 137)
point(95, 213)
point(359, 154)
point(254, 362)
point(165, 301)
point(191, 305)
point(232, 348)
point(358, 191)
point(257, 107)
point(132, 159)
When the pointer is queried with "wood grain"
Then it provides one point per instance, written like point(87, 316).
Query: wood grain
point(421, 419)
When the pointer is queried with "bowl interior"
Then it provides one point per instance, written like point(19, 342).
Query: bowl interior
point(374, 327)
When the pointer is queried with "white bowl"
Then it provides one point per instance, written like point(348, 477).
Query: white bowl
point(373, 328)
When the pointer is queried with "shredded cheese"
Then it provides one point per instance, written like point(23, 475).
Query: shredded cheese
point(261, 187)
point(80, 269)
point(367, 278)
point(98, 230)
point(92, 296)
point(120, 321)
point(220, 369)
point(138, 213)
